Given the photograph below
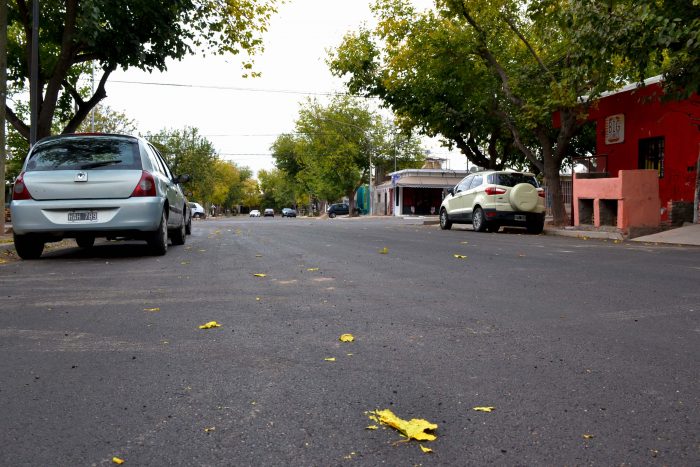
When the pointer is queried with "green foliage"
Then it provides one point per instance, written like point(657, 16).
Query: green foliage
point(422, 66)
point(213, 181)
point(131, 33)
point(329, 155)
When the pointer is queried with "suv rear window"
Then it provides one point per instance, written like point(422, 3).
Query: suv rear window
point(512, 179)
point(83, 153)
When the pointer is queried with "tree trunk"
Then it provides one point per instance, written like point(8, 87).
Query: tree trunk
point(351, 202)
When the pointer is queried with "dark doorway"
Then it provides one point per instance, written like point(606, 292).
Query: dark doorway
point(651, 154)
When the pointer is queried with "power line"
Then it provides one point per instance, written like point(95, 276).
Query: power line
point(234, 88)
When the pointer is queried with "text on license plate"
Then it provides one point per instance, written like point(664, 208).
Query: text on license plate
point(75, 216)
point(520, 217)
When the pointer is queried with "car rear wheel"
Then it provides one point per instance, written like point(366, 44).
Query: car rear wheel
point(28, 247)
point(478, 220)
point(158, 240)
point(85, 241)
point(331, 215)
point(445, 222)
point(179, 235)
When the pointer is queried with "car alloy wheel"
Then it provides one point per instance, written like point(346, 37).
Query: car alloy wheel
point(158, 240)
point(478, 222)
point(445, 223)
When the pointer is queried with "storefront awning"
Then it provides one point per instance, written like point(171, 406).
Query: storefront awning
point(414, 181)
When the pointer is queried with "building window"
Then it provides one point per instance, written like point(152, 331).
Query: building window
point(651, 154)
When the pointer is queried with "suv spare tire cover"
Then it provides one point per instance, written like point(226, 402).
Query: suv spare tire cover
point(523, 197)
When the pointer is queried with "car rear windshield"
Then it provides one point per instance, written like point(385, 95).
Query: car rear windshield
point(93, 153)
point(512, 179)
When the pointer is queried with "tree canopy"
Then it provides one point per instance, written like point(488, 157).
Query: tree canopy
point(143, 34)
point(329, 154)
point(213, 180)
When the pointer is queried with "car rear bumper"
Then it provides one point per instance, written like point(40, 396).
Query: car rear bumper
point(513, 218)
point(113, 215)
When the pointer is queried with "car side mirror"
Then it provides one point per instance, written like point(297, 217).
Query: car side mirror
point(451, 191)
point(184, 178)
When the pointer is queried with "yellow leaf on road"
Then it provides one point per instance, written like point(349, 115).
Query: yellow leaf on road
point(312, 269)
point(372, 427)
point(260, 275)
point(207, 430)
point(117, 460)
point(384, 251)
point(258, 256)
point(330, 359)
point(151, 309)
point(346, 338)
point(425, 450)
point(484, 409)
point(460, 256)
point(209, 325)
point(588, 436)
point(415, 428)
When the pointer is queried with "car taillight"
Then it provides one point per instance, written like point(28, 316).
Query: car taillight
point(492, 190)
point(540, 192)
point(146, 186)
point(20, 190)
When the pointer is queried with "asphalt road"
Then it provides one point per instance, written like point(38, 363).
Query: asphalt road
point(588, 350)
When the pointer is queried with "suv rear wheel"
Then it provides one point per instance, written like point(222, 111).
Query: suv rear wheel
point(478, 220)
point(535, 226)
point(445, 222)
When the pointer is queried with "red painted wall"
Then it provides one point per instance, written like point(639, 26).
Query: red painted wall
point(647, 116)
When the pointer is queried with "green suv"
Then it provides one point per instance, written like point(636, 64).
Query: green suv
point(491, 199)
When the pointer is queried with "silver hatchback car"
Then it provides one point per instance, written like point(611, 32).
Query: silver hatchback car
point(85, 186)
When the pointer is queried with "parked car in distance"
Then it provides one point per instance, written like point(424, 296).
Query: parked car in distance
point(269, 212)
point(254, 213)
point(491, 199)
point(198, 211)
point(85, 186)
point(288, 212)
point(337, 209)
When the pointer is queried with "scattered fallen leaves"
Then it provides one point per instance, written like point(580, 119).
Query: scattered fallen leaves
point(151, 309)
point(384, 251)
point(209, 325)
point(460, 256)
point(117, 460)
point(416, 428)
point(260, 275)
point(425, 450)
point(329, 359)
point(588, 436)
point(346, 338)
point(484, 409)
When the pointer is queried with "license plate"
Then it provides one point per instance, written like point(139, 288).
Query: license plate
point(77, 216)
point(520, 217)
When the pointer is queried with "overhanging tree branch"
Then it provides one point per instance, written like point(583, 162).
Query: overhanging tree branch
point(87, 106)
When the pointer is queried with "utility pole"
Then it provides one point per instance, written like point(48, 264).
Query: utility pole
point(3, 102)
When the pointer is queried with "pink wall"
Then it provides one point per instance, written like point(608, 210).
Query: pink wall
point(636, 193)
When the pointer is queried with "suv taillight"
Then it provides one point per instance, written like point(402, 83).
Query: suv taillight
point(492, 190)
point(146, 186)
point(20, 190)
point(540, 192)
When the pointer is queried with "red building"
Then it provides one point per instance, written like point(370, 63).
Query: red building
point(637, 129)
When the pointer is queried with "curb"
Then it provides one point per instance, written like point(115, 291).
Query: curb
point(585, 234)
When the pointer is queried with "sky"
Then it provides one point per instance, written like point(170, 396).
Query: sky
point(242, 117)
